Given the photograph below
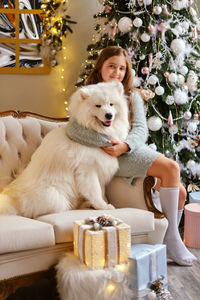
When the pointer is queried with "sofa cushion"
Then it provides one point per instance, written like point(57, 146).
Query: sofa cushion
point(141, 221)
point(18, 233)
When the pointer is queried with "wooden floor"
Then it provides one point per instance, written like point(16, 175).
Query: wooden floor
point(184, 282)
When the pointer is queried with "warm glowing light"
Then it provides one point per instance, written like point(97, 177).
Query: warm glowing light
point(64, 90)
point(65, 57)
point(65, 102)
point(64, 48)
point(110, 287)
point(62, 77)
point(63, 69)
point(54, 30)
point(121, 267)
point(103, 262)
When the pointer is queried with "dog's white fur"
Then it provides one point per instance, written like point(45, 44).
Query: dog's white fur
point(62, 174)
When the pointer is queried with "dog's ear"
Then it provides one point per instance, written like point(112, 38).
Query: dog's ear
point(119, 87)
point(84, 92)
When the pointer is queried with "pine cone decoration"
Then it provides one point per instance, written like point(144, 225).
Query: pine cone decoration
point(104, 221)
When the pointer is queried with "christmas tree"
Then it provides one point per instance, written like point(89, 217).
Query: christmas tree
point(162, 39)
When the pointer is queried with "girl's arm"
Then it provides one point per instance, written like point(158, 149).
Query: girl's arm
point(139, 133)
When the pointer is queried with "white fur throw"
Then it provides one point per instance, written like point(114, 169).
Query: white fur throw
point(76, 282)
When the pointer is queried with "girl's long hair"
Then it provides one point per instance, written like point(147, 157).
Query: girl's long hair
point(95, 75)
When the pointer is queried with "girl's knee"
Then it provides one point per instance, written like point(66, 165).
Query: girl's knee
point(182, 194)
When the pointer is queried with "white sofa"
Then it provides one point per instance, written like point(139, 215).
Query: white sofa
point(29, 247)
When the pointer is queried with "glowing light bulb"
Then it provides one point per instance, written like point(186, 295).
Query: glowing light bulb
point(63, 70)
point(63, 89)
point(62, 77)
point(110, 287)
point(65, 102)
point(121, 267)
point(65, 57)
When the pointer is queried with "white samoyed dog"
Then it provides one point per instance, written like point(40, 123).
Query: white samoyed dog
point(63, 174)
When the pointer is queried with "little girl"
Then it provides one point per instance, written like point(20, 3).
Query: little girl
point(114, 63)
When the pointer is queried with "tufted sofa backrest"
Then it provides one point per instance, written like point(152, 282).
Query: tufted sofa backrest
point(19, 138)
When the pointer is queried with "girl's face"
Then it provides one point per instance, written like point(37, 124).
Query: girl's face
point(114, 68)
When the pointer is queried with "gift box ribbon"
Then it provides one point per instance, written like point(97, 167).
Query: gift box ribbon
point(111, 244)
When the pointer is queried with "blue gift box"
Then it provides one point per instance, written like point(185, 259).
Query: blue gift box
point(194, 197)
point(146, 264)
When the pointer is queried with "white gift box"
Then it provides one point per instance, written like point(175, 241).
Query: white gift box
point(194, 197)
point(146, 264)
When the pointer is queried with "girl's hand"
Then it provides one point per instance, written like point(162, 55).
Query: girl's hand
point(116, 149)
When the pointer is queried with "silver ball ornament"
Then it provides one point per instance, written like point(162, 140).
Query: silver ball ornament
point(154, 123)
point(187, 115)
point(159, 90)
point(173, 129)
point(145, 37)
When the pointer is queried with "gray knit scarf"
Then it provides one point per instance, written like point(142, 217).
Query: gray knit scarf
point(91, 138)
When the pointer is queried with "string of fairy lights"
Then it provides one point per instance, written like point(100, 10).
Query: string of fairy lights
point(56, 25)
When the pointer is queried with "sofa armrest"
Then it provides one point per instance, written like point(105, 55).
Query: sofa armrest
point(121, 194)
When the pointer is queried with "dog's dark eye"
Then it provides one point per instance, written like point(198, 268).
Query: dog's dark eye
point(111, 104)
point(98, 105)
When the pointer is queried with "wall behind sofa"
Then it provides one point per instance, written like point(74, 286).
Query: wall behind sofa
point(43, 93)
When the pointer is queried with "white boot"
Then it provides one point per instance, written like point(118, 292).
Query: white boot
point(176, 249)
point(179, 216)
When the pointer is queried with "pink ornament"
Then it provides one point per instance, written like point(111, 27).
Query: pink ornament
point(114, 31)
point(194, 33)
point(161, 26)
point(165, 10)
point(170, 119)
point(145, 70)
point(196, 116)
point(108, 9)
point(166, 74)
point(151, 27)
point(150, 61)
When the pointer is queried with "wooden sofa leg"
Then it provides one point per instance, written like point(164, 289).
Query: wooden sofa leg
point(147, 186)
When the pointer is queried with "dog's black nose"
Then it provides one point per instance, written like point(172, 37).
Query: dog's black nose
point(108, 116)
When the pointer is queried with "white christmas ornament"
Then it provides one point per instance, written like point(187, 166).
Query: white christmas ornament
point(154, 123)
point(190, 164)
point(125, 24)
point(157, 10)
point(187, 115)
point(180, 4)
point(185, 25)
point(145, 37)
point(183, 70)
point(137, 22)
point(181, 79)
point(192, 81)
point(147, 2)
point(159, 90)
point(197, 64)
point(153, 79)
point(173, 129)
point(137, 81)
point(172, 77)
point(192, 126)
point(179, 29)
point(170, 100)
point(178, 46)
point(180, 97)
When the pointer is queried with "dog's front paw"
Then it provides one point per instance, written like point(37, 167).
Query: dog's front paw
point(110, 206)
